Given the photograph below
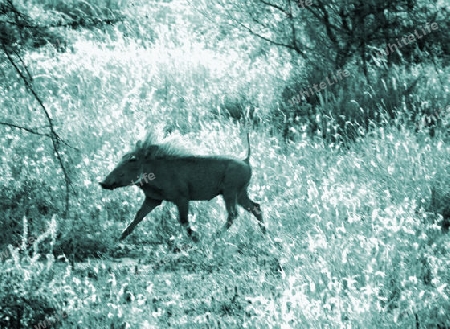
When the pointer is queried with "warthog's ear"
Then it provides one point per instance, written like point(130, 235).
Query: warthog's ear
point(138, 145)
point(150, 151)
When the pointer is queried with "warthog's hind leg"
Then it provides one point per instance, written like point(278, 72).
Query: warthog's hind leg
point(252, 207)
point(148, 205)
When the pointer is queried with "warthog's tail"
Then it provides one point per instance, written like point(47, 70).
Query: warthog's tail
point(247, 159)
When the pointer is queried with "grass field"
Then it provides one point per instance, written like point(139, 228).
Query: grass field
point(354, 233)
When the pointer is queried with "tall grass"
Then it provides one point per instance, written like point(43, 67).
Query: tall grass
point(354, 238)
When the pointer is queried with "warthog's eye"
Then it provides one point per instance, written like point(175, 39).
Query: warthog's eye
point(133, 158)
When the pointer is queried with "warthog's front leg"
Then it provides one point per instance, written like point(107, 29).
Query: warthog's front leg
point(183, 210)
point(148, 205)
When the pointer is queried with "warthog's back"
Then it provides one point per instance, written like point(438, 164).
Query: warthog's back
point(193, 177)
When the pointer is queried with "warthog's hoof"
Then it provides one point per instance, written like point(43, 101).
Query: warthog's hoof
point(193, 235)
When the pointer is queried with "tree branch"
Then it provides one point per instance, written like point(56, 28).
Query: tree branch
point(56, 140)
point(30, 130)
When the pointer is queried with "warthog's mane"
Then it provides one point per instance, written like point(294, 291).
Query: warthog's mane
point(154, 148)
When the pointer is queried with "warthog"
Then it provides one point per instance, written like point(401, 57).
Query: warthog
point(165, 173)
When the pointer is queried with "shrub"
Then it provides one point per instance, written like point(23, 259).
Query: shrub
point(24, 280)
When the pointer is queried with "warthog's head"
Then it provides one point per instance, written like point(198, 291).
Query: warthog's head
point(126, 173)
point(130, 170)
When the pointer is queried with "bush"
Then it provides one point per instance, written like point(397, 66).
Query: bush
point(24, 298)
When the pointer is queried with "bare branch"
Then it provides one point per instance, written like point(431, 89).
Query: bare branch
point(284, 11)
point(30, 130)
point(276, 43)
point(56, 140)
